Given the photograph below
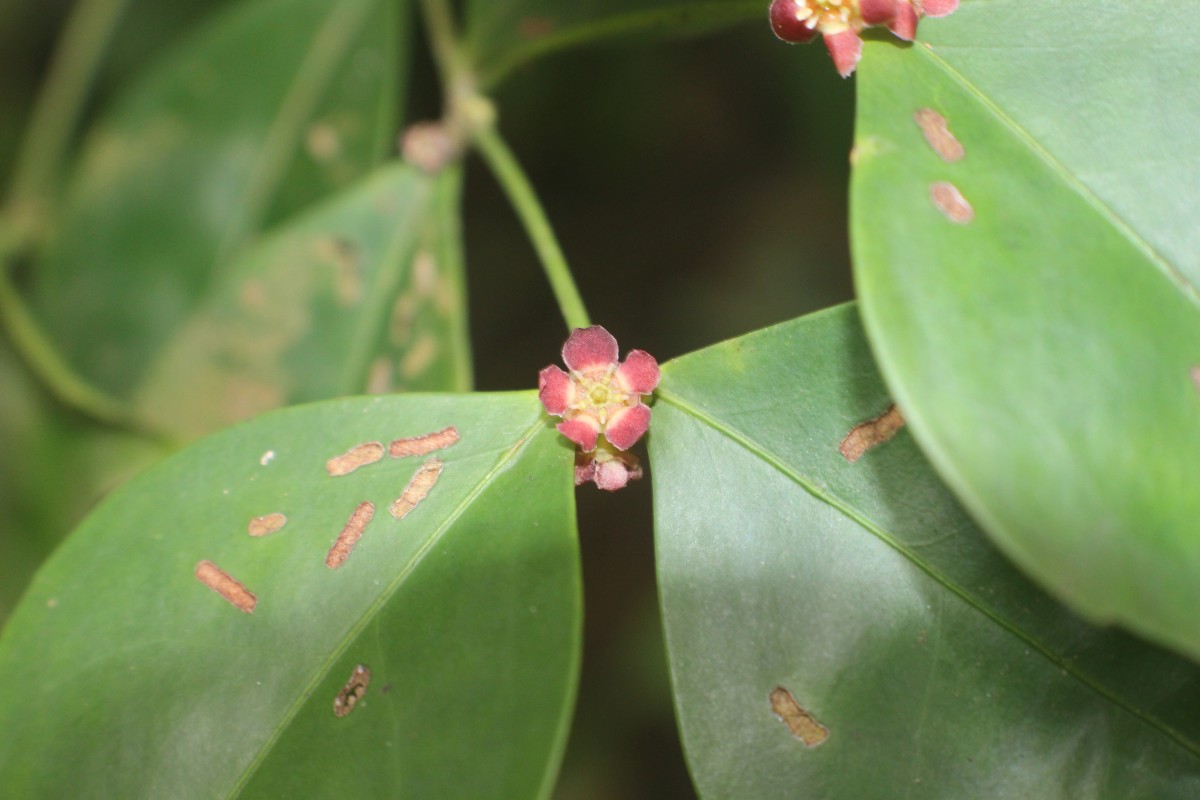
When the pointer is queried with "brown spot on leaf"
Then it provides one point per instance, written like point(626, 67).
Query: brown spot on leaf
point(425, 273)
point(419, 356)
point(268, 523)
point(803, 725)
point(379, 378)
point(418, 488)
point(351, 533)
point(950, 201)
point(322, 141)
point(352, 692)
point(864, 436)
point(1195, 373)
point(423, 445)
point(357, 456)
point(937, 133)
point(226, 585)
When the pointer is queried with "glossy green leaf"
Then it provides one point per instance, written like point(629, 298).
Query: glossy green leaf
point(502, 34)
point(358, 295)
point(938, 670)
point(264, 111)
point(1041, 344)
point(130, 678)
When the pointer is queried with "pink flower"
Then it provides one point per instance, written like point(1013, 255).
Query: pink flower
point(598, 395)
point(841, 21)
point(607, 467)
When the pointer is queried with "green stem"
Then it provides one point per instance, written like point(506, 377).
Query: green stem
point(443, 40)
point(56, 114)
point(520, 193)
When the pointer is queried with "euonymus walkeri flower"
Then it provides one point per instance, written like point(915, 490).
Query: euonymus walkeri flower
point(840, 21)
point(598, 395)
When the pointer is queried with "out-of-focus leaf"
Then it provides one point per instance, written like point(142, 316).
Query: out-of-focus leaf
point(502, 34)
point(269, 108)
point(361, 294)
point(56, 466)
point(864, 591)
point(1033, 304)
point(130, 678)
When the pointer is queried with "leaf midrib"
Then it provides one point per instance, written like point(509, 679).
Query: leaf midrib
point(867, 524)
point(373, 610)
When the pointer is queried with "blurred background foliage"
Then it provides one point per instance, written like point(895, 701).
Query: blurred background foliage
point(698, 188)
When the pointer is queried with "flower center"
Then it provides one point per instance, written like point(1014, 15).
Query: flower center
point(829, 16)
point(597, 395)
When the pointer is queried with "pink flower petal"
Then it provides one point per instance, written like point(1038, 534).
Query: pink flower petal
point(608, 469)
point(556, 390)
point(585, 470)
point(588, 349)
point(613, 475)
point(938, 8)
point(905, 23)
point(581, 430)
point(626, 426)
point(846, 50)
point(787, 24)
point(879, 12)
point(639, 374)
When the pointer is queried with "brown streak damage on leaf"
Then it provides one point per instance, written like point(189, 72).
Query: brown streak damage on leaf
point(1195, 373)
point(352, 692)
point(226, 585)
point(350, 535)
point(421, 445)
point(357, 456)
point(937, 133)
point(418, 488)
point(418, 358)
point(803, 725)
point(866, 435)
point(950, 201)
point(268, 523)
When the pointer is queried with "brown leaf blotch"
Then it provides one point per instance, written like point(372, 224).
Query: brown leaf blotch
point(950, 201)
point(357, 456)
point(423, 445)
point(268, 523)
point(352, 692)
point(418, 488)
point(226, 585)
point(351, 533)
point(937, 132)
point(803, 725)
point(864, 436)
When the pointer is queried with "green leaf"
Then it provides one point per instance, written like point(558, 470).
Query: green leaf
point(502, 34)
point(1042, 348)
point(862, 589)
point(268, 109)
point(130, 678)
point(364, 293)
point(46, 448)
